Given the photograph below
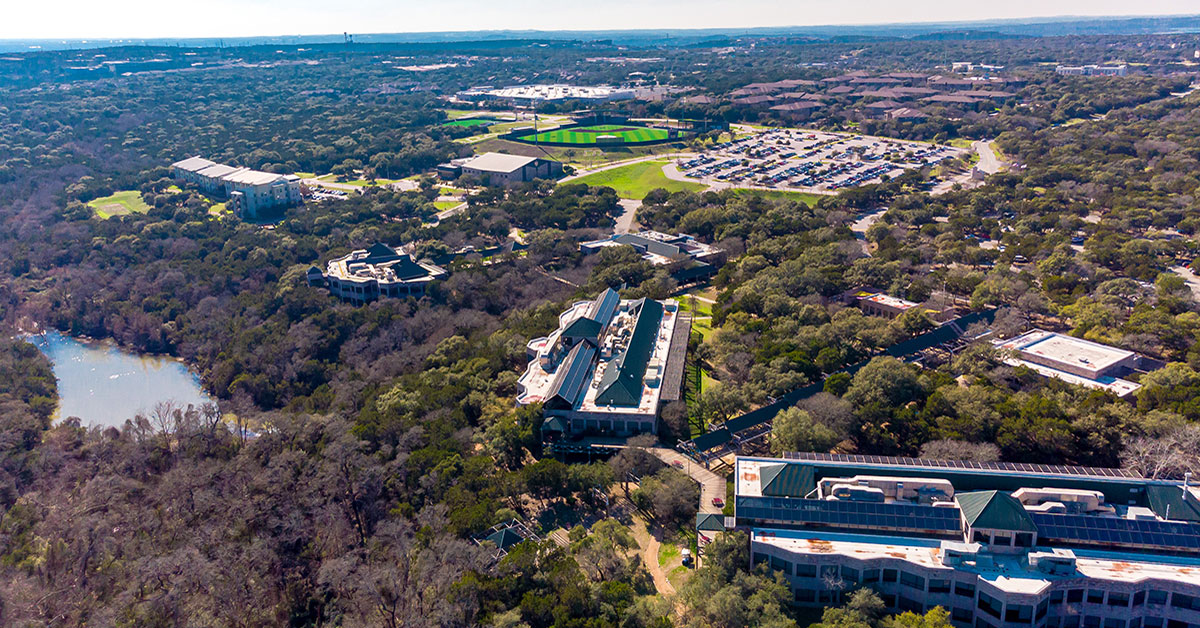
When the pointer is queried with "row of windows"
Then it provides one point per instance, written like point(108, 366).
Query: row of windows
point(1117, 599)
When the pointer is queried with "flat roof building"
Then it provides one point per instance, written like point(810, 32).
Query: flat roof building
point(248, 191)
point(502, 169)
point(998, 545)
point(607, 367)
point(541, 93)
point(686, 258)
point(880, 304)
point(381, 271)
point(1073, 360)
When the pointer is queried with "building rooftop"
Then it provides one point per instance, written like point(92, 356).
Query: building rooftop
point(1066, 349)
point(499, 162)
point(382, 264)
point(552, 92)
point(612, 362)
point(656, 247)
point(247, 176)
point(887, 300)
point(193, 164)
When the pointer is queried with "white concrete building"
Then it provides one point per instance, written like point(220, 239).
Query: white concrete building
point(998, 545)
point(527, 94)
point(380, 271)
point(248, 191)
point(1073, 360)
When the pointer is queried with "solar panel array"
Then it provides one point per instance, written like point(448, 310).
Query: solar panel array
point(851, 514)
point(1093, 530)
point(1006, 467)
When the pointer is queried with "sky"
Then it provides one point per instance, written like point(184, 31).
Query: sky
point(81, 19)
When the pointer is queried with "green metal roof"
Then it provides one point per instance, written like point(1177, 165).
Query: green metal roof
point(505, 538)
point(583, 327)
point(995, 510)
point(786, 480)
point(554, 424)
point(1169, 502)
point(621, 384)
point(710, 521)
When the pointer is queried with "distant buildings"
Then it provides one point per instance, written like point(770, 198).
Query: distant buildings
point(529, 94)
point(502, 170)
point(686, 258)
point(1092, 70)
point(1074, 360)
point(998, 545)
point(607, 367)
point(248, 191)
point(380, 271)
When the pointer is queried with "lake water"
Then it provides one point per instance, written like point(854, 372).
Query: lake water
point(103, 385)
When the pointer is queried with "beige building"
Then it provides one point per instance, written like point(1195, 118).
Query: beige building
point(248, 191)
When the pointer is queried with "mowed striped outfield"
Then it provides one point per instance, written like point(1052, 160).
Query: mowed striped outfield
point(588, 134)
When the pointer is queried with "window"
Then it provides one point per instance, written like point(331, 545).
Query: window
point(780, 564)
point(889, 600)
point(939, 586)
point(829, 572)
point(1018, 613)
point(806, 571)
point(1119, 600)
point(1114, 623)
point(1156, 597)
point(870, 575)
point(964, 615)
point(1056, 597)
point(1074, 596)
point(1139, 598)
point(1024, 539)
point(912, 581)
point(1136, 622)
point(1175, 623)
point(1002, 538)
point(1152, 622)
point(1071, 622)
point(1091, 621)
point(1095, 597)
point(965, 590)
point(889, 575)
point(980, 537)
point(1041, 609)
point(990, 605)
point(850, 575)
point(805, 596)
point(1179, 600)
point(759, 558)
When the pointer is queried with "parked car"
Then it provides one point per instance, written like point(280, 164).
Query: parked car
point(718, 502)
point(677, 464)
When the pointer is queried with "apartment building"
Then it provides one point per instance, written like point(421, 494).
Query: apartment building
point(247, 191)
point(999, 545)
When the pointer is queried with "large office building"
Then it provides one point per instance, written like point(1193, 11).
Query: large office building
point(607, 367)
point(685, 257)
point(502, 170)
point(247, 191)
point(381, 271)
point(1092, 70)
point(999, 545)
point(1073, 360)
point(531, 94)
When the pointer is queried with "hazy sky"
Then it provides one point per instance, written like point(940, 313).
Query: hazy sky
point(27, 19)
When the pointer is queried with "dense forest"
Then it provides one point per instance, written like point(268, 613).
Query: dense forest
point(378, 443)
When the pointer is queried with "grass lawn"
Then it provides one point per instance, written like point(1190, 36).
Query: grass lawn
point(588, 135)
point(801, 197)
point(469, 122)
point(960, 142)
point(174, 189)
point(120, 204)
point(635, 181)
point(217, 210)
point(444, 205)
point(362, 183)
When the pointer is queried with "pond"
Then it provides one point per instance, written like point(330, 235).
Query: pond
point(104, 385)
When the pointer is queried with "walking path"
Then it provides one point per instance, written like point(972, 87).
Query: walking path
point(650, 545)
point(988, 161)
point(711, 485)
point(625, 220)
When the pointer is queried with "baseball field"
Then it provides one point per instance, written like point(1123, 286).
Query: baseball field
point(597, 134)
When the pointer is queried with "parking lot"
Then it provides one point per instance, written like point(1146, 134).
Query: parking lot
point(810, 161)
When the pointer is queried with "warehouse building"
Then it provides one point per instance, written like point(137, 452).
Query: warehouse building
point(380, 271)
point(247, 191)
point(502, 170)
point(685, 257)
point(999, 545)
point(1073, 360)
point(607, 367)
point(531, 94)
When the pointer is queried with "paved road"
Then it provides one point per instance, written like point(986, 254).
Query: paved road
point(625, 220)
point(711, 484)
point(860, 227)
point(1192, 281)
point(988, 162)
